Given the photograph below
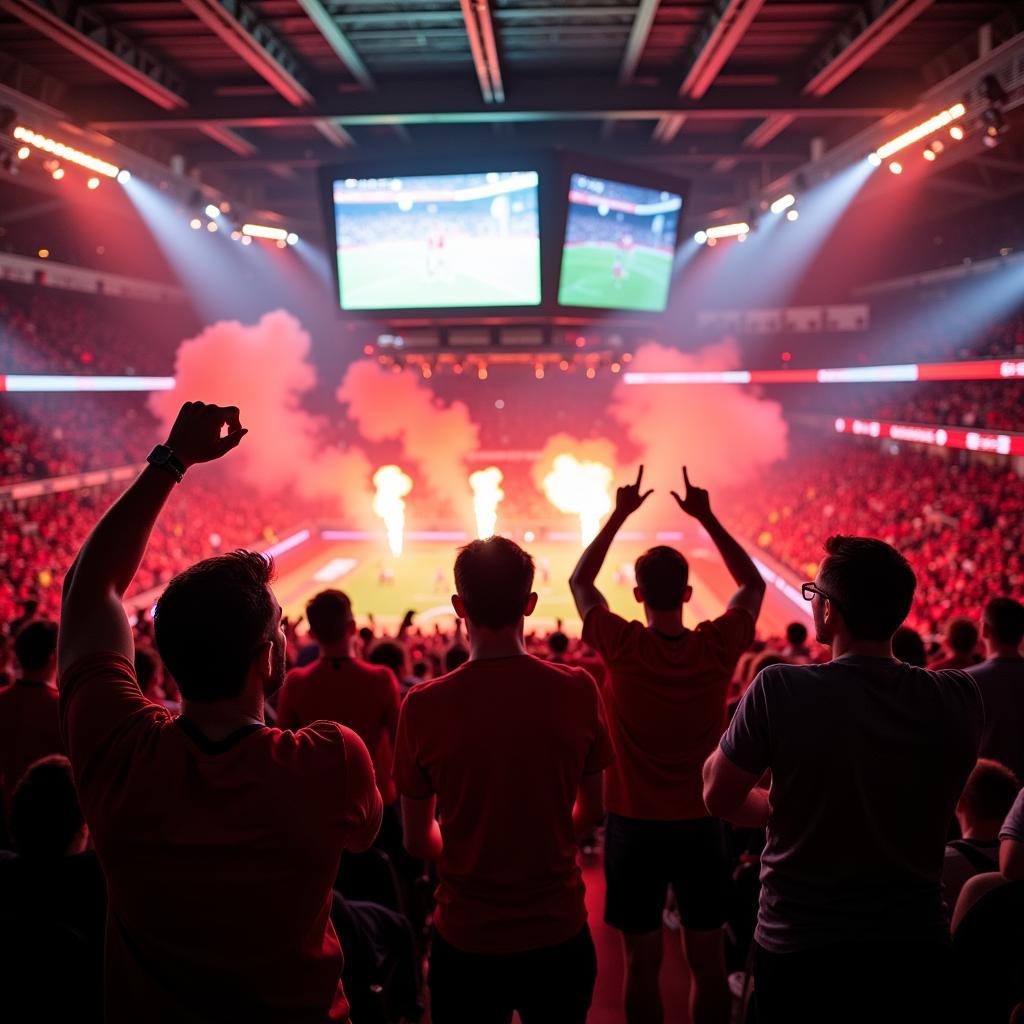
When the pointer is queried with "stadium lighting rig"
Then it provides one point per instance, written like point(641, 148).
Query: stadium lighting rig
point(280, 235)
point(737, 230)
point(918, 132)
point(60, 150)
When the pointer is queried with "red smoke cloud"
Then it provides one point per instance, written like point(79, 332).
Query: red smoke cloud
point(388, 406)
point(724, 433)
point(263, 368)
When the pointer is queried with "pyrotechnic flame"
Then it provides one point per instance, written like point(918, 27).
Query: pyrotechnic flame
point(392, 487)
point(487, 495)
point(582, 488)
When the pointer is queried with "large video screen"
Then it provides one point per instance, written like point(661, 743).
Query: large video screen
point(619, 246)
point(438, 241)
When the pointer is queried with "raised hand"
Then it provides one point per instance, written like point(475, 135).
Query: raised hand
point(696, 503)
point(628, 499)
point(196, 434)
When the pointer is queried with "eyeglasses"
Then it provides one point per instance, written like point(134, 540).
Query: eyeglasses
point(808, 590)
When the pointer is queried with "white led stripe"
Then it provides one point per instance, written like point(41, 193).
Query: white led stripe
point(53, 382)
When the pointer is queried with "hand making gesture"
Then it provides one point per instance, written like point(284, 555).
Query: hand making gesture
point(628, 499)
point(697, 503)
point(196, 434)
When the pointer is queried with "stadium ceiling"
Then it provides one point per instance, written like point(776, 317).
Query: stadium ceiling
point(254, 94)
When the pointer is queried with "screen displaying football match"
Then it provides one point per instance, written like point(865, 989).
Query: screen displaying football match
point(619, 245)
point(438, 241)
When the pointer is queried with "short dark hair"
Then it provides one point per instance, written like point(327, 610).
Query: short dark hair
point(420, 668)
point(870, 583)
point(796, 633)
point(962, 635)
point(990, 791)
point(329, 614)
point(494, 578)
point(45, 813)
point(35, 644)
point(1005, 618)
point(558, 642)
point(908, 647)
point(662, 574)
point(212, 619)
point(390, 654)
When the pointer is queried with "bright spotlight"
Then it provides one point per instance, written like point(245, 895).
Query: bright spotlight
point(65, 152)
point(783, 203)
point(929, 155)
point(922, 130)
point(246, 240)
point(792, 215)
point(956, 133)
point(236, 235)
point(123, 177)
point(291, 238)
point(701, 237)
point(24, 153)
point(729, 230)
point(262, 231)
point(874, 159)
point(195, 223)
point(211, 226)
point(58, 173)
point(212, 211)
point(93, 183)
point(896, 167)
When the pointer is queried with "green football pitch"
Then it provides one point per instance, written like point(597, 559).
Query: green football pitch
point(472, 272)
point(588, 278)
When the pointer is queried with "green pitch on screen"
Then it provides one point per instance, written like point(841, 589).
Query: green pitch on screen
point(588, 278)
point(484, 272)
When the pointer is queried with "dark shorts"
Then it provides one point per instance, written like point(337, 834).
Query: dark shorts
point(643, 858)
point(550, 985)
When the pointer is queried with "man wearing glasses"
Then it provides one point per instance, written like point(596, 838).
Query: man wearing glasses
point(868, 757)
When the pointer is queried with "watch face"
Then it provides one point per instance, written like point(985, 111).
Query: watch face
point(160, 455)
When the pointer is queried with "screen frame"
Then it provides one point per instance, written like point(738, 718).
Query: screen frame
point(543, 164)
point(623, 174)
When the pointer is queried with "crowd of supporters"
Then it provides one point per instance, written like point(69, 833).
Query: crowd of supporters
point(190, 861)
point(960, 523)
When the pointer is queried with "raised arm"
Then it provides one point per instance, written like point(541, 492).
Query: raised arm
point(697, 503)
point(584, 592)
point(92, 614)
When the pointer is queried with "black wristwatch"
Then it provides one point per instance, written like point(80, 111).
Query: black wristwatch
point(163, 457)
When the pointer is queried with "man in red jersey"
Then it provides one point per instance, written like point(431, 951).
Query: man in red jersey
point(338, 687)
point(666, 700)
point(508, 750)
point(219, 837)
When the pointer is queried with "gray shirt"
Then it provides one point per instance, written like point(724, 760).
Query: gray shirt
point(1001, 682)
point(1013, 827)
point(868, 758)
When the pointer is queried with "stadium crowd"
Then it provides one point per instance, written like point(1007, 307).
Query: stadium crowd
point(172, 855)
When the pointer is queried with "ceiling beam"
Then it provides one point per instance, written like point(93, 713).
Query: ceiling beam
point(873, 25)
point(643, 19)
point(241, 28)
point(483, 13)
point(476, 50)
point(726, 25)
point(329, 28)
point(767, 130)
point(229, 139)
point(668, 127)
point(450, 100)
point(82, 32)
point(334, 133)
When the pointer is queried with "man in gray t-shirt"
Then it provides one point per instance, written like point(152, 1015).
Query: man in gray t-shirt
point(868, 757)
point(1001, 682)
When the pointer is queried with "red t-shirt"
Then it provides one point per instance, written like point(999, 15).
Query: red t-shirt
point(29, 730)
point(351, 692)
point(666, 708)
point(504, 743)
point(219, 858)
